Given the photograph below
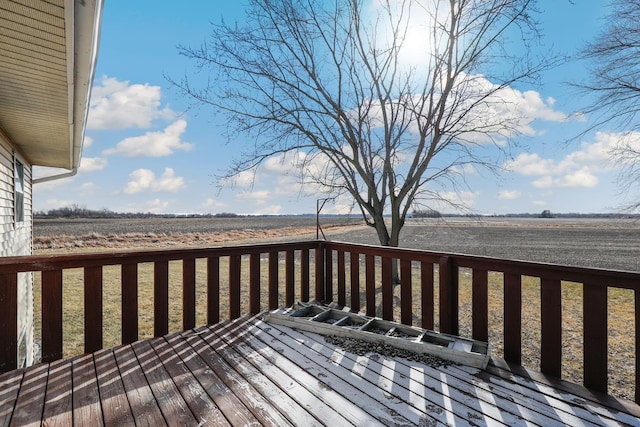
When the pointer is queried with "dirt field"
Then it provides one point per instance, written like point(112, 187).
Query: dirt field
point(592, 243)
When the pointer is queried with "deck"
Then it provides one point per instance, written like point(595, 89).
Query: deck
point(248, 372)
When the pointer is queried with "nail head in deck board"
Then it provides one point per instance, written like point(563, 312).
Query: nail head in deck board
point(86, 399)
point(173, 407)
point(143, 403)
point(115, 406)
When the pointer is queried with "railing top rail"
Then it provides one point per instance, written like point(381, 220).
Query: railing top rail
point(16, 264)
point(596, 276)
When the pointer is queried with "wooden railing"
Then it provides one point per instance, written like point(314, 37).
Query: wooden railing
point(337, 272)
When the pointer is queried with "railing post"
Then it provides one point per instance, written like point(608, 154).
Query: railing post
point(595, 337)
point(289, 279)
point(320, 271)
point(160, 298)
point(354, 273)
point(234, 286)
point(92, 309)
point(254, 283)
point(387, 288)
point(188, 293)
point(328, 275)
point(551, 322)
point(213, 290)
point(448, 274)
point(370, 283)
point(512, 318)
point(636, 298)
point(426, 290)
point(480, 310)
point(8, 322)
point(342, 289)
point(129, 285)
point(273, 280)
point(51, 315)
point(406, 298)
point(304, 275)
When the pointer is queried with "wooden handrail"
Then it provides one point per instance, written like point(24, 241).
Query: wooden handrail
point(338, 269)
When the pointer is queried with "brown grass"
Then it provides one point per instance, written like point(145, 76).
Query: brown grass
point(621, 310)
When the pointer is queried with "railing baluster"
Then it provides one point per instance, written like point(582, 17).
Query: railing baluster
point(234, 286)
point(595, 337)
point(160, 298)
point(387, 288)
point(354, 273)
point(512, 318)
point(188, 293)
point(51, 315)
point(406, 299)
point(448, 274)
point(342, 290)
point(304, 275)
point(551, 322)
point(328, 276)
point(8, 321)
point(290, 279)
point(129, 285)
point(426, 290)
point(370, 279)
point(320, 279)
point(254, 284)
point(480, 308)
point(636, 298)
point(213, 290)
point(273, 280)
point(92, 309)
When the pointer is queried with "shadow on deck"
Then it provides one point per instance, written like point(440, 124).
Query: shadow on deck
point(246, 372)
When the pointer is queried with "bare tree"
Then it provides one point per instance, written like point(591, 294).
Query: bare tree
point(336, 86)
point(614, 82)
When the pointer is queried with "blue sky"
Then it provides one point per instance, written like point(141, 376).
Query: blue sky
point(146, 151)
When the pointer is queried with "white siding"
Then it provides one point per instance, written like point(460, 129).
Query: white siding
point(17, 239)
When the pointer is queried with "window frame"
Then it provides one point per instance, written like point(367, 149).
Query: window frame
point(19, 202)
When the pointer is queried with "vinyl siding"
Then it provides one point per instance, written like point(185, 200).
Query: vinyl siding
point(17, 239)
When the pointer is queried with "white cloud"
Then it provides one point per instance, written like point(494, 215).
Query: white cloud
point(144, 180)
point(120, 105)
point(214, 204)
point(578, 168)
point(88, 142)
point(260, 197)
point(153, 144)
point(91, 164)
point(509, 194)
point(88, 187)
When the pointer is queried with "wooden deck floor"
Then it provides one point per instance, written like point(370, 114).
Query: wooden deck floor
point(247, 372)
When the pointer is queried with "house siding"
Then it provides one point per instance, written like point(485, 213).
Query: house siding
point(17, 239)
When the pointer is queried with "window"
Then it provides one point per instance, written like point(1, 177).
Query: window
point(18, 173)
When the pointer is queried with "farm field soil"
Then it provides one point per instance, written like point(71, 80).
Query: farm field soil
point(610, 244)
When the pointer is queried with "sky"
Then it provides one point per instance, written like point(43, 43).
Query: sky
point(148, 150)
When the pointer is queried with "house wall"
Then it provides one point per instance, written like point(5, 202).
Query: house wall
point(17, 239)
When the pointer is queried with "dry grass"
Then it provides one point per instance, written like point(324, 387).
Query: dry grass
point(621, 313)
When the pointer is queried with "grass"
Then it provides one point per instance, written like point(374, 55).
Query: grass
point(621, 313)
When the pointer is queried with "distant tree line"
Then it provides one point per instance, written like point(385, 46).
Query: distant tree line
point(76, 211)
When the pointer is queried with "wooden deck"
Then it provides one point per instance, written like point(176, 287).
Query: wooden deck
point(247, 372)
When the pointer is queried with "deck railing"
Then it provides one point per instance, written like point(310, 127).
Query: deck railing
point(281, 273)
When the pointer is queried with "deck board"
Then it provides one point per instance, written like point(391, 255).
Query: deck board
point(248, 372)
